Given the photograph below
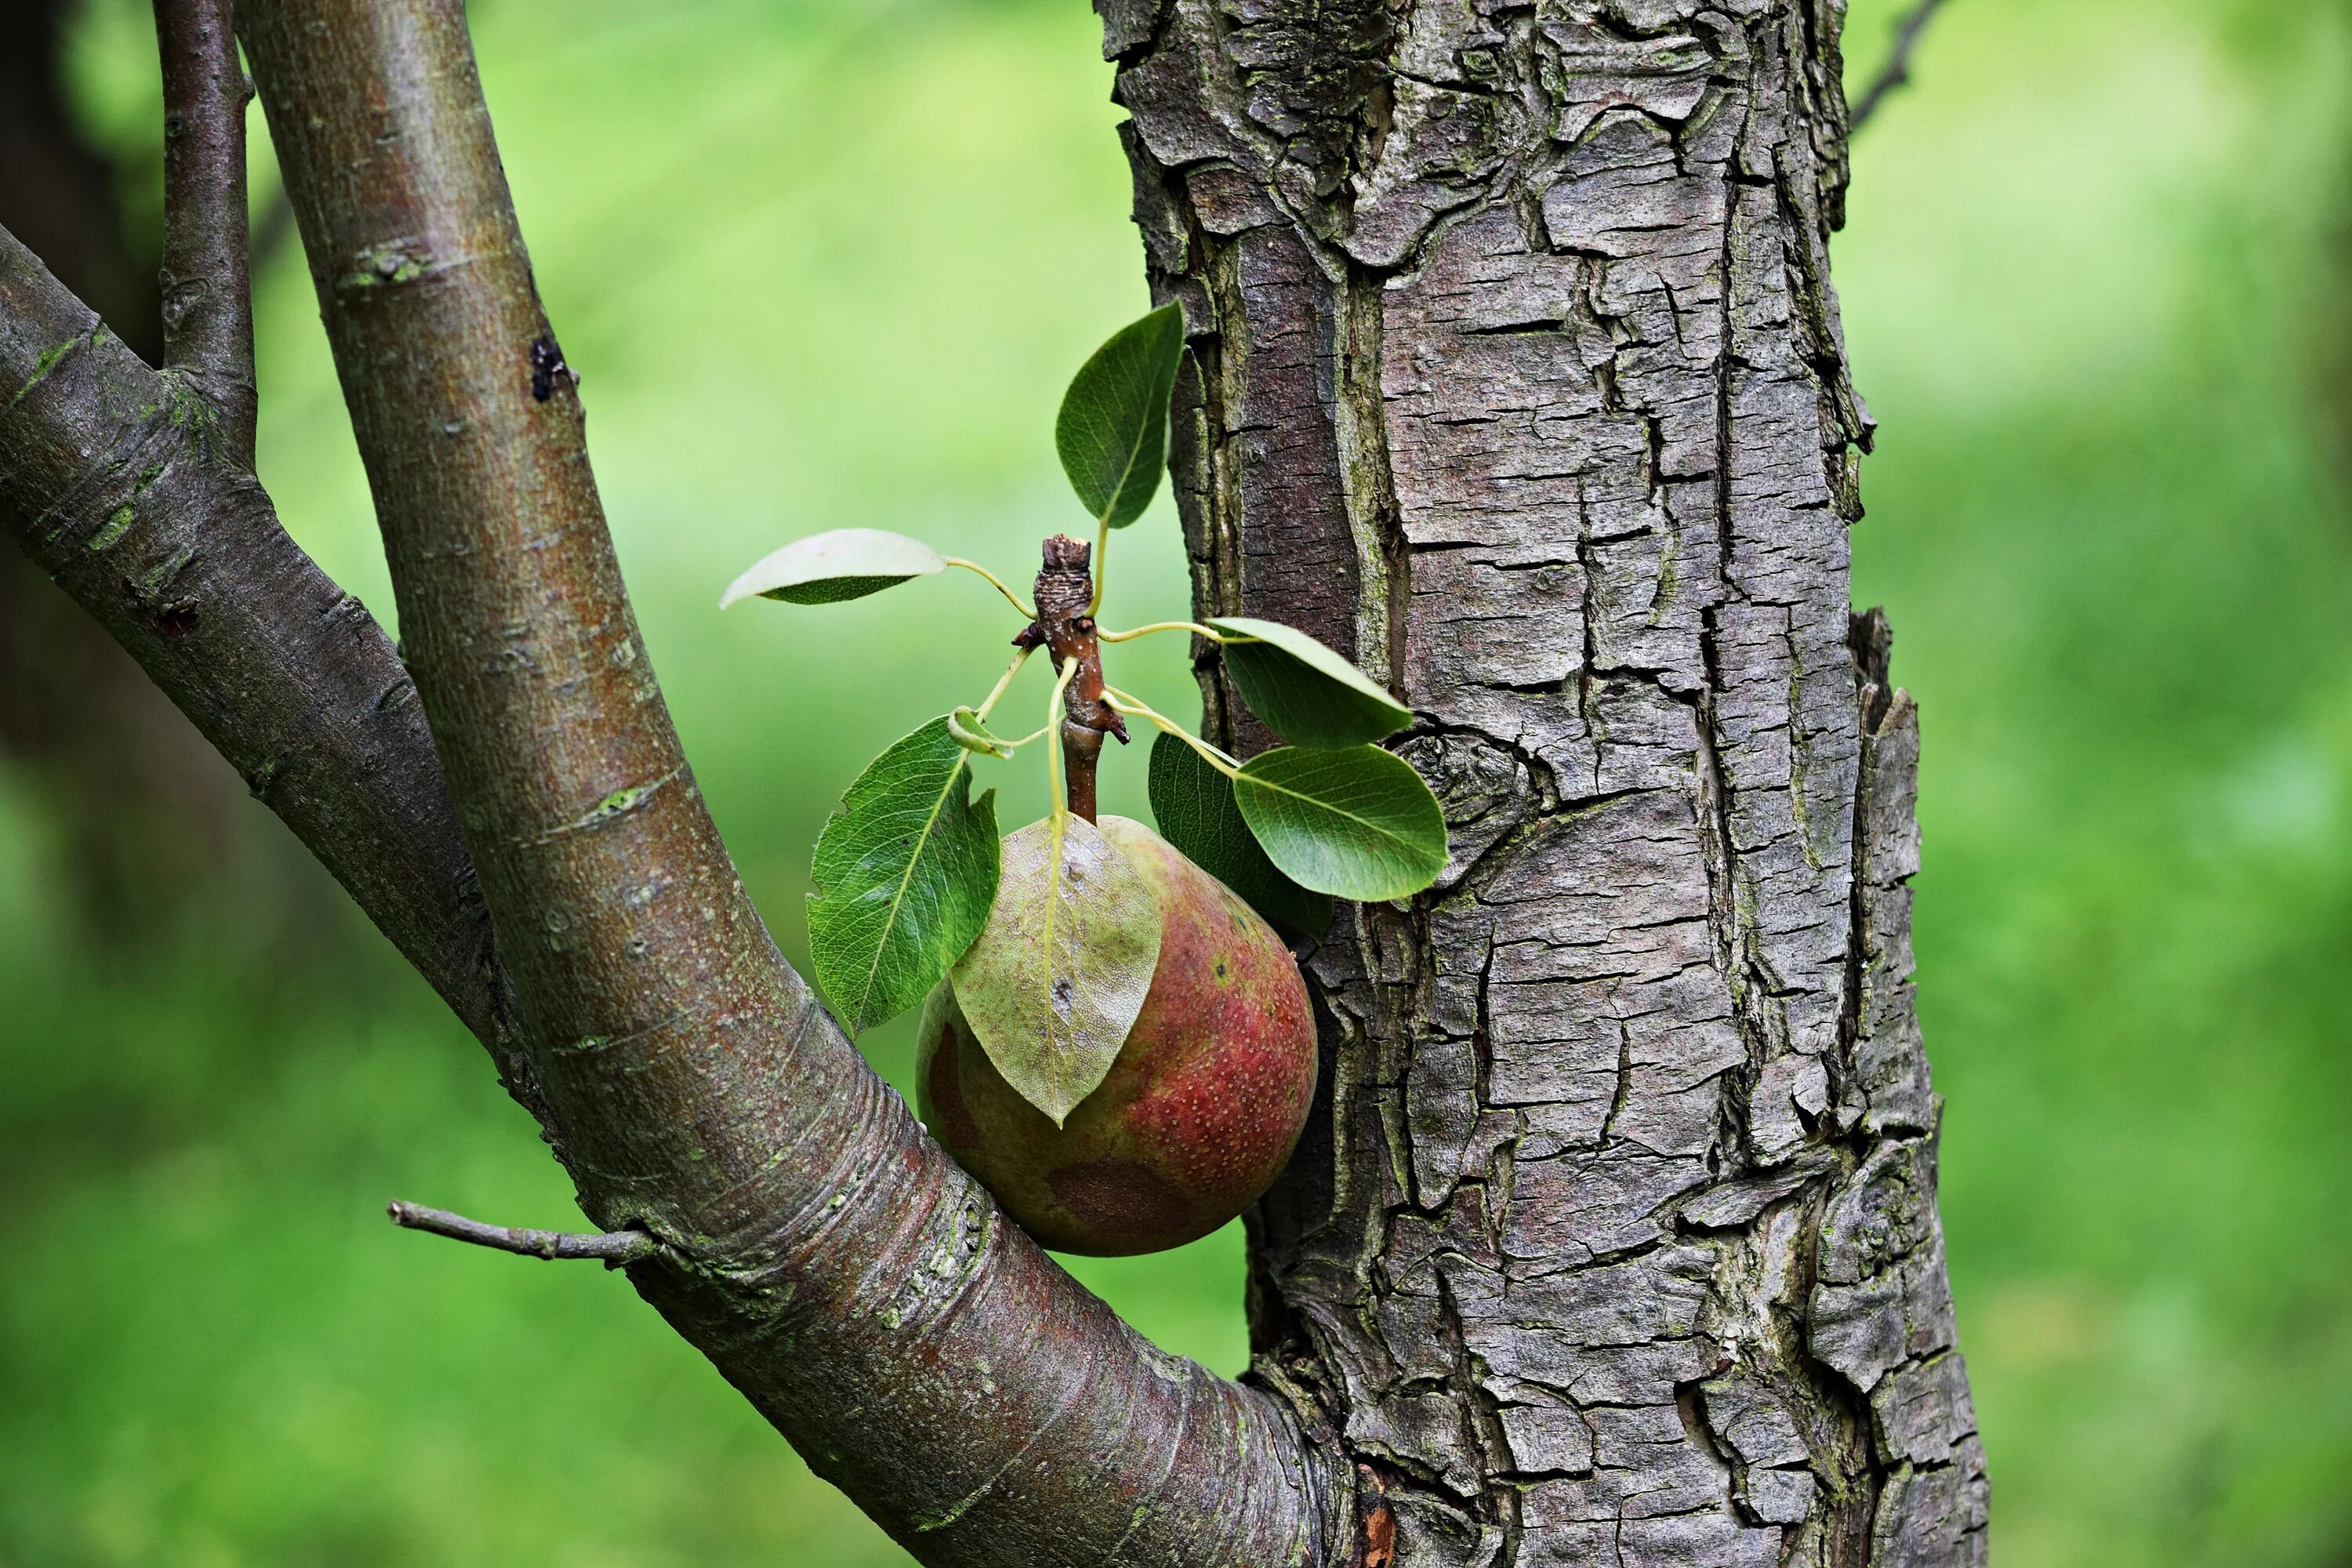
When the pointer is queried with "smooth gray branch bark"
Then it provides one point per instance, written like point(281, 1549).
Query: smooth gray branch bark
point(207, 303)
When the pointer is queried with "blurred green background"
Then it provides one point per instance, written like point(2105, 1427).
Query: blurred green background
point(827, 262)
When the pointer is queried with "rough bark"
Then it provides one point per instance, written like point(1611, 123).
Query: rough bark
point(1517, 373)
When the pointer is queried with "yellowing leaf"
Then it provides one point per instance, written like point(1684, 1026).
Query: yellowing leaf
point(1062, 967)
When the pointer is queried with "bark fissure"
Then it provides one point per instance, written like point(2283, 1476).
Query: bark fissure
point(1584, 1271)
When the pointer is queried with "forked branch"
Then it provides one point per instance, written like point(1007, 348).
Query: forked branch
point(115, 491)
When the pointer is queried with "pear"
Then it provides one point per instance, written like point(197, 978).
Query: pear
point(1200, 1109)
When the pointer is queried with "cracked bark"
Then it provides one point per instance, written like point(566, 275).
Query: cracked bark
point(1517, 373)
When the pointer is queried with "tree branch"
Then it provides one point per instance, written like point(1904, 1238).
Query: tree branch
point(1896, 71)
point(207, 296)
point(866, 1294)
point(613, 1249)
point(111, 488)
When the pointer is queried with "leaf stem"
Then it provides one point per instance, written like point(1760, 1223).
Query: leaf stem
point(1055, 789)
point(1195, 627)
point(1215, 758)
point(1003, 681)
point(1102, 554)
point(1009, 597)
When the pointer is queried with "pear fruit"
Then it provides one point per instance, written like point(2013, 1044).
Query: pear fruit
point(1200, 1109)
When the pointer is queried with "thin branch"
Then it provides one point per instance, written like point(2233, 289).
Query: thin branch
point(1897, 69)
point(613, 1249)
point(207, 291)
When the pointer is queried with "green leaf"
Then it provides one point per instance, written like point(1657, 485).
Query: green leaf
point(1306, 693)
point(1112, 432)
point(827, 568)
point(1193, 803)
point(1355, 822)
point(1057, 977)
point(905, 872)
point(965, 726)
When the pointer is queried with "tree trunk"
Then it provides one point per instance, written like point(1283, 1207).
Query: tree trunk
point(1517, 375)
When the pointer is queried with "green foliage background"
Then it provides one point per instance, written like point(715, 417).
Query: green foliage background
point(829, 262)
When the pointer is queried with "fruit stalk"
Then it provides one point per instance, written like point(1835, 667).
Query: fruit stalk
point(1065, 628)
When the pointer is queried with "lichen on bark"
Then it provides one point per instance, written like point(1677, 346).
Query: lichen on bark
point(1517, 375)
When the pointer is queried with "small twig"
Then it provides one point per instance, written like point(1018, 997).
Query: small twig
point(1897, 69)
point(613, 1248)
point(208, 288)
